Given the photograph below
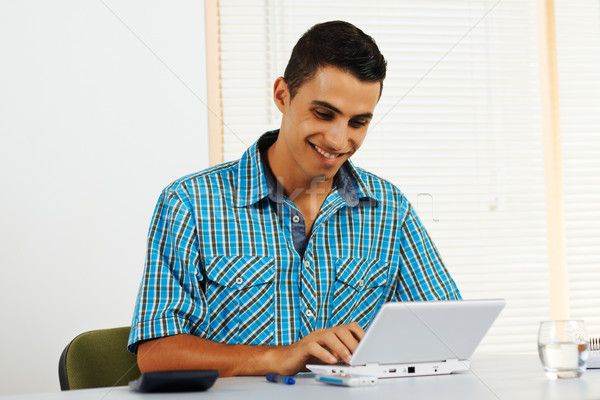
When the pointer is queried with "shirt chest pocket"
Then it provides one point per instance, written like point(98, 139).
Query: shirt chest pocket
point(358, 290)
point(239, 291)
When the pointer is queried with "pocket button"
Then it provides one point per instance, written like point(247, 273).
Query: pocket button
point(239, 281)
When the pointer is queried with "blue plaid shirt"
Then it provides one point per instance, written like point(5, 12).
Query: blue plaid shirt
point(222, 262)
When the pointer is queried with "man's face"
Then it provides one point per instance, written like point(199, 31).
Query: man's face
point(326, 122)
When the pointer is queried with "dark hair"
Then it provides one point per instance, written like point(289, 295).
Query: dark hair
point(338, 44)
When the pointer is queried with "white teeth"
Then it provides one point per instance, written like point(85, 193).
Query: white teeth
point(324, 153)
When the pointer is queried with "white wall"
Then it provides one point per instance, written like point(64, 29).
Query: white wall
point(92, 127)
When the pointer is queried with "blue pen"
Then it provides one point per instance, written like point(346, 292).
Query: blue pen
point(286, 380)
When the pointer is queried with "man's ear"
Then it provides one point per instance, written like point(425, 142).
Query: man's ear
point(281, 94)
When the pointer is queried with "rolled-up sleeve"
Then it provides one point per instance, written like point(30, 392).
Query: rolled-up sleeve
point(171, 299)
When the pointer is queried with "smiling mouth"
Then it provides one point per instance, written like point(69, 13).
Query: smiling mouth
point(325, 154)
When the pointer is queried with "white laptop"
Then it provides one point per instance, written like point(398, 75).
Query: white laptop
point(420, 338)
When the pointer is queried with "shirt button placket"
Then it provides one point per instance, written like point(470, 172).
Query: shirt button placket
point(308, 313)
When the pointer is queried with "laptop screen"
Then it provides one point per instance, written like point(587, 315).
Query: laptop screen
point(408, 332)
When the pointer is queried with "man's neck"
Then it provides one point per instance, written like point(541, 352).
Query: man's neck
point(307, 194)
point(295, 184)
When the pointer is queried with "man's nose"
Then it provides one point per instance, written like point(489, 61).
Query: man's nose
point(337, 137)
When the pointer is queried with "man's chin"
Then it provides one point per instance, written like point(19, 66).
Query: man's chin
point(323, 174)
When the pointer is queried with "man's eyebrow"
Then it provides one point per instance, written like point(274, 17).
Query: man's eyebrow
point(337, 110)
point(326, 105)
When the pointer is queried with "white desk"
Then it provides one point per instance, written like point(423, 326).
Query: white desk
point(504, 377)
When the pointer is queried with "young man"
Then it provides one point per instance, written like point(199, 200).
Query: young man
point(283, 257)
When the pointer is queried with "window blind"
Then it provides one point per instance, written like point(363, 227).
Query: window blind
point(458, 129)
point(578, 49)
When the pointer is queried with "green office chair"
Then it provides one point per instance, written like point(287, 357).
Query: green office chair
point(97, 359)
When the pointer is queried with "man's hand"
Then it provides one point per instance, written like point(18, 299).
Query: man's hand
point(322, 346)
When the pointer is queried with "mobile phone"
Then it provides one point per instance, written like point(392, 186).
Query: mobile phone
point(347, 380)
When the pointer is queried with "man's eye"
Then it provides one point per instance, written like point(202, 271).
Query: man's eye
point(358, 123)
point(323, 115)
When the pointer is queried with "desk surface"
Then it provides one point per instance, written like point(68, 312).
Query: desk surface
point(504, 377)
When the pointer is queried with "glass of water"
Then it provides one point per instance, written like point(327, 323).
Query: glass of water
point(563, 348)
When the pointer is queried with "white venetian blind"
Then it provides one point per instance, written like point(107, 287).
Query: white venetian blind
point(458, 129)
point(578, 37)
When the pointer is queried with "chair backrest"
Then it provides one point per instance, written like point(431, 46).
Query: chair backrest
point(97, 359)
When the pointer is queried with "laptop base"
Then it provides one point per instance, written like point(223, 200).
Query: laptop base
point(394, 370)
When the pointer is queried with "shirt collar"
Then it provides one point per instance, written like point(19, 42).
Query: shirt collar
point(256, 181)
point(252, 181)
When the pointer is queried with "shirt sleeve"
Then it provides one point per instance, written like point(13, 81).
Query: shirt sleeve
point(422, 274)
point(171, 299)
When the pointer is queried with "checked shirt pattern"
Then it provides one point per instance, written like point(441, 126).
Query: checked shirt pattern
point(221, 262)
